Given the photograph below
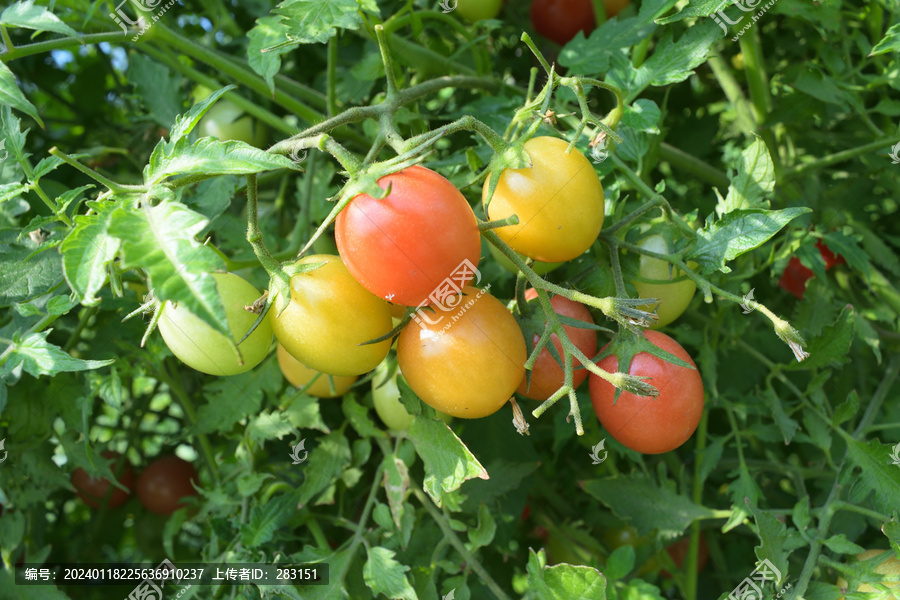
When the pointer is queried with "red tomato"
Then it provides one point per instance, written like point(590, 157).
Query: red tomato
point(165, 483)
point(679, 551)
point(795, 277)
point(547, 375)
point(561, 20)
point(401, 248)
point(646, 424)
point(831, 259)
point(93, 489)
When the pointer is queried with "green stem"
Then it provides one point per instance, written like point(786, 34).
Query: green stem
point(6, 39)
point(66, 42)
point(693, 165)
point(457, 544)
point(331, 85)
point(254, 234)
point(117, 188)
point(733, 92)
point(837, 157)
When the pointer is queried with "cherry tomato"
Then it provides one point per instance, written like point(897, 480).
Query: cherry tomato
point(561, 20)
point(93, 490)
point(671, 286)
point(386, 397)
point(646, 424)
point(679, 551)
point(299, 375)
point(891, 566)
point(466, 361)
point(165, 483)
point(328, 317)
point(614, 7)
point(201, 347)
point(559, 201)
point(796, 274)
point(226, 121)
point(401, 248)
point(538, 267)
point(475, 10)
point(547, 375)
point(831, 259)
point(621, 536)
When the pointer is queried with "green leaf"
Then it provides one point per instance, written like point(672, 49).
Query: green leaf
point(736, 233)
point(269, 425)
point(11, 95)
point(448, 462)
point(801, 515)
point(483, 534)
point(833, 346)
point(303, 411)
point(772, 534)
point(229, 400)
point(24, 274)
point(817, 84)
point(787, 425)
point(384, 575)
point(37, 356)
point(87, 250)
point(358, 417)
point(265, 520)
point(28, 16)
point(564, 582)
point(696, 8)
point(396, 486)
point(592, 55)
point(879, 475)
point(846, 410)
point(673, 62)
point(840, 544)
point(160, 240)
point(643, 115)
point(889, 43)
point(328, 456)
point(269, 32)
point(620, 562)
point(755, 180)
point(315, 22)
point(212, 197)
point(646, 505)
point(158, 86)
point(208, 156)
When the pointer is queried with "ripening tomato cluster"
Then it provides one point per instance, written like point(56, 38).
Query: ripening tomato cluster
point(161, 487)
point(463, 353)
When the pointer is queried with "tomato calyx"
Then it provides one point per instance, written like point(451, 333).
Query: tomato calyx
point(625, 347)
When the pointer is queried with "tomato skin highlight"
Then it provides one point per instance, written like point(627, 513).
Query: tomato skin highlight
point(328, 317)
point(645, 424)
point(93, 490)
point(402, 247)
point(559, 201)
point(547, 375)
point(674, 296)
point(468, 363)
point(165, 483)
point(201, 347)
point(299, 375)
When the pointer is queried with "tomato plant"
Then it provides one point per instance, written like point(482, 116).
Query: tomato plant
point(165, 483)
point(467, 361)
point(887, 566)
point(559, 201)
point(93, 490)
point(547, 374)
point(328, 317)
point(300, 376)
point(646, 424)
point(403, 246)
point(657, 280)
point(200, 347)
point(476, 10)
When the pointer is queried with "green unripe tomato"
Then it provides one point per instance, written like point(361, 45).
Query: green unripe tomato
point(226, 121)
point(538, 267)
point(475, 10)
point(671, 286)
point(386, 396)
point(201, 347)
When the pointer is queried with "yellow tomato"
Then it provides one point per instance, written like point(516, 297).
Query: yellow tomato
point(299, 375)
